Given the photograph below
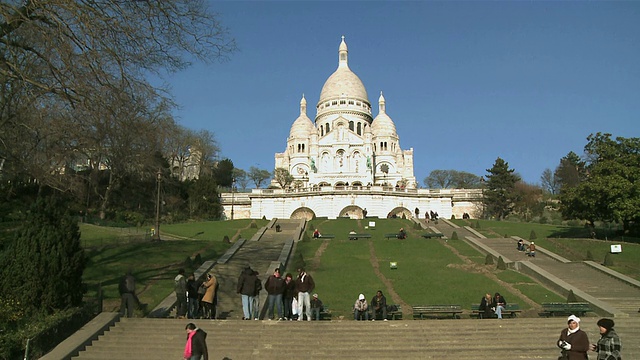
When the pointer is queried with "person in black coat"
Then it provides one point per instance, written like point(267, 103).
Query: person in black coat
point(196, 346)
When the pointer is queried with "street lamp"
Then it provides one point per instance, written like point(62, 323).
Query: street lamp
point(233, 185)
point(156, 236)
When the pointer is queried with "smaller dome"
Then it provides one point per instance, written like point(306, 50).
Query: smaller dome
point(382, 125)
point(302, 127)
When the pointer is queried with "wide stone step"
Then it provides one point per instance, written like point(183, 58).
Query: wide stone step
point(409, 339)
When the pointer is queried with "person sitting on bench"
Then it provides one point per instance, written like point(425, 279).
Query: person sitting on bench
point(379, 304)
point(520, 245)
point(402, 234)
point(316, 234)
point(361, 309)
point(351, 233)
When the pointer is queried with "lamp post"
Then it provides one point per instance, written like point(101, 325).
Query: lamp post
point(156, 236)
point(233, 185)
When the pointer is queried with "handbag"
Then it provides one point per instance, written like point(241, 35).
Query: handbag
point(202, 290)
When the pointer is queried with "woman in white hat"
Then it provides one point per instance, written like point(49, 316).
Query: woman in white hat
point(573, 341)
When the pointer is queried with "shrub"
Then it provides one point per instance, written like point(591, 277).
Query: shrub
point(571, 297)
point(453, 217)
point(253, 224)
point(488, 260)
point(188, 262)
point(589, 255)
point(477, 224)
point(532, 235)
point(417, 226)
point(608, 260)
point(454, 236)
point(197, 260)
point(501, 264)
point(226, 240)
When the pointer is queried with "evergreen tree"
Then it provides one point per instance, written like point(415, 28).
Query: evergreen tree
point(499, 196)
point(43, 264)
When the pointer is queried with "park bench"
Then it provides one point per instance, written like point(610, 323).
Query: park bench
point(325, 313)
point(432, 235)
point(510, 310)
point(425, 311)
point(395, 314)
point(359, 236)
point(391, 236)
point(572, 308)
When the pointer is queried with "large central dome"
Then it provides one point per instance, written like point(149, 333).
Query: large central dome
point(343, 83)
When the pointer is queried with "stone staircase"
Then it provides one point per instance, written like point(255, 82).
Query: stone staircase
point(620, 295)
point(462, 339)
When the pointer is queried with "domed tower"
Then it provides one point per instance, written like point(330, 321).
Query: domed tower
point(391, 165)
point(296, 158)
point(346, 146)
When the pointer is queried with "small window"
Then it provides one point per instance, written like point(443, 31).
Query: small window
point(351, 125)
point(350, 102)
point(342, 102)
point(359, 128)
point(358, 103)
point(335, 102)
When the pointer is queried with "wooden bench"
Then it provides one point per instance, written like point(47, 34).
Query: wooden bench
point(359, 236)
point(425, 311)
point(391, 236)
point(432, 235)
point(325, 313)
point(573, 308)
point(394, 314)
point(510, 310)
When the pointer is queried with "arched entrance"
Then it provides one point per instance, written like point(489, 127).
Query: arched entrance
point(400, 212)
point(352, 211)
point(303, 213)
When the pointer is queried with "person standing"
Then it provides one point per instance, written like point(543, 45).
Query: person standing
point(361, 308)
point(180, 288)
point(379, 304)
point(275, 288)
point(247, 290)
point(288, 296)
point(196, 346)
point(304, 286)
point(127, 289)
point(573, 341)
point(210, 296)
point(192, 296)
point(609, 345)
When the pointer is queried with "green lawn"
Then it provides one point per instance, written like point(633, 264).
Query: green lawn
point(154, 264)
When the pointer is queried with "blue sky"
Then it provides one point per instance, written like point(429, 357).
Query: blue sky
point(464, 82)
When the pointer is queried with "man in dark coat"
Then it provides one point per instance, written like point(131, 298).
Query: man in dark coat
point(275, 288)
point(247, 289)
point(128, 299)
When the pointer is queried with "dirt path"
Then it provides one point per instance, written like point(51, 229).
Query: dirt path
point(389, 285)
point(316, 257)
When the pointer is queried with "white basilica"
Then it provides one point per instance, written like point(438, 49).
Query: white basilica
point(345, 145)
point(346, 163)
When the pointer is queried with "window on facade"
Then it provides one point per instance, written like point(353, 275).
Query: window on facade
point(350, 102)
point(321, 130)
point(351, 125)
point(334, 102)
point(359, 128)
point(358, 103)
point(328, 128)
point(342, 102)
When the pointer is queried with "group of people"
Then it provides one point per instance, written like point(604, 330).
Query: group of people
point(289, 299)
point(376, 310)
point(195, 299)
point(530, 249)
point(574, 343)
point(490, 306)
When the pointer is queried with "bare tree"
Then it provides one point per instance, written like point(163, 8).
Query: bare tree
point(258, 176)
point(549, 181)
point(282, 177)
